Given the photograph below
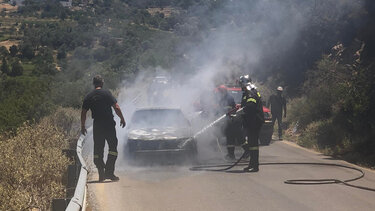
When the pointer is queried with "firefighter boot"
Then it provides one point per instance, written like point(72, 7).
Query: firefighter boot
point(98, 160)
point(101, 174)
point(254, 161)
point(110, 168)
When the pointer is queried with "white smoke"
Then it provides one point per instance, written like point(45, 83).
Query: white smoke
point(242, 36)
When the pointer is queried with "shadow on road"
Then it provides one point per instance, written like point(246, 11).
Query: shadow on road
point(96, 181)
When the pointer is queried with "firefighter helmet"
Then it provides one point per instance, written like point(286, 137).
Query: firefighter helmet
point(244, 80)
point(251, 86)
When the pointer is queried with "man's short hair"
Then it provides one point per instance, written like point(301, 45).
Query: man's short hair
point(98, 81)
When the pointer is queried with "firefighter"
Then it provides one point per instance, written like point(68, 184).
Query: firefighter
point(100, 101)
point(253, 119)
point(227, 104)
point(278, 104)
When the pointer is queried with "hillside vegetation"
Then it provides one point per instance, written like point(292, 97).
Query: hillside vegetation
point(44, 75)
point(335, 114)
point(49, 54)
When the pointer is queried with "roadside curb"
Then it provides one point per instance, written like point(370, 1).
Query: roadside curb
point(290, 143)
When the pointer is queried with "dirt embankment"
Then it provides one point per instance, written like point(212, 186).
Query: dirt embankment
point(8, 43)
point(7, 7)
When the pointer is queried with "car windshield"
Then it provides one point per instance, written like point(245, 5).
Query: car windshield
point(237, 95)
point(159, 118)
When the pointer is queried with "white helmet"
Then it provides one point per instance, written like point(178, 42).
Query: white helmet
point(279, 89)
point(244, 80)
point(250, 86)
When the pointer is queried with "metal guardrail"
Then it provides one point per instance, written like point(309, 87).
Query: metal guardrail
point(78, 201)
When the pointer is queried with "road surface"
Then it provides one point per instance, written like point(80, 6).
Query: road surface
point(172, 187)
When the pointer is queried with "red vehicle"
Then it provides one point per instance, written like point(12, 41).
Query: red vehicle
point(266, 132)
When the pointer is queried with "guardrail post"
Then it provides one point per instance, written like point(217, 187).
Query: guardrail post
point(70, 192)
point(72, 155)
point(59, 204)
point(73, 173)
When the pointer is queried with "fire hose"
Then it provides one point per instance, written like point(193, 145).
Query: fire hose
point(227, 167)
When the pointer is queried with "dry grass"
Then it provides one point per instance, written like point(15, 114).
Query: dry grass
point(32, 164)
point(68, 120)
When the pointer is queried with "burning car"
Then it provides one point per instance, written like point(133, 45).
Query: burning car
point(160, 131)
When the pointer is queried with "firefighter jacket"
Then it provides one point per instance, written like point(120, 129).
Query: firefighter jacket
point(253, 109)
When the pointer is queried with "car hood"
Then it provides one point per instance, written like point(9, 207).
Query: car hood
point(159, 133)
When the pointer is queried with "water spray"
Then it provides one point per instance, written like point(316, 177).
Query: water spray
point(183, 144)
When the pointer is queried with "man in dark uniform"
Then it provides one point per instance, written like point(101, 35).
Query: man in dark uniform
point(253, 119)
point(100, 101)
point(278, 104)
point(227, 104)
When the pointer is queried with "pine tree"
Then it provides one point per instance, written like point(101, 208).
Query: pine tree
point(13, 50)
point(4, 66)
point(17, 69)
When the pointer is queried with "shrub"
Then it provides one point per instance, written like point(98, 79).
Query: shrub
point(17, 69)
point(298, 110)
point(23, 98)
point(68, 119)
point(309, 137)
point(32, 167)
point(323, 135)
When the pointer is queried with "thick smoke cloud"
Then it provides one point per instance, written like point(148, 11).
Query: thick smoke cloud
point(234, 38)
point(249, 37)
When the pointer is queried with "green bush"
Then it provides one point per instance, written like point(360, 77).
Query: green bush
point(323, 135)
point(32, 167)
point(23, 98)
point(319, 105)
point(309, 136)
point(334, 113)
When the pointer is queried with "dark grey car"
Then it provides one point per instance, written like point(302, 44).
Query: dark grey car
point(159, 133)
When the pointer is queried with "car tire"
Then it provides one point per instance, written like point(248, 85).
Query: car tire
point(193, 152)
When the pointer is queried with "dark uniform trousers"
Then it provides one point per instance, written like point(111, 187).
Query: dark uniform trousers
point(279, 117)
point(233, 133)
point(105, 131)
point(252, 134)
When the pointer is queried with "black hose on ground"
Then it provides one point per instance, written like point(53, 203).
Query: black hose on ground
point(226, 167)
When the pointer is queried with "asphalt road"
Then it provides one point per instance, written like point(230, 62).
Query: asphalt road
point(172, 187)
